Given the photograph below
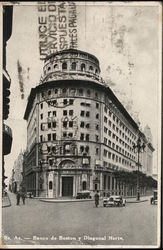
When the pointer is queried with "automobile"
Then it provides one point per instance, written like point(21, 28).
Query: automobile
point(153, 199)
point(29, 195)
point(85, 194)
point(114, 200)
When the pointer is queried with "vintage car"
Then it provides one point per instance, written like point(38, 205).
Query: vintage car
point(29, 195)
point(153, 199)
point(114, 200)
point(85, 194)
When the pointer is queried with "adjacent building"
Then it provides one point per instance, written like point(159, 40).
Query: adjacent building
point(78, 132)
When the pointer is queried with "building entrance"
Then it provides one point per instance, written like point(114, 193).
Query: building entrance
point(67, 186)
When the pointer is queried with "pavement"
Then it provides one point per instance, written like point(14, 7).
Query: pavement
point(80, 223)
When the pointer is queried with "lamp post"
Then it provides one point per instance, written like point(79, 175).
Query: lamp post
point(139, 148)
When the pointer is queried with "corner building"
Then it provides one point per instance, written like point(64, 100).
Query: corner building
point(78, 133)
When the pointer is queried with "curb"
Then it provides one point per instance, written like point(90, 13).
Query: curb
point(136, 201)
point(64, 201)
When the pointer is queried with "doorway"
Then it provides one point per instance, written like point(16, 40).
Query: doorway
point(67, 186)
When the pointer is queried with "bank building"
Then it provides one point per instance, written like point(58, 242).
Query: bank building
point(78, 132)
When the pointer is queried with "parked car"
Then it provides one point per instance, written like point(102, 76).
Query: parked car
point(85, 194)
point(29, 195)
point(153, 199)
point(114, 200)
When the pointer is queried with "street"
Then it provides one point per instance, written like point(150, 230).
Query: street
point(78, 223)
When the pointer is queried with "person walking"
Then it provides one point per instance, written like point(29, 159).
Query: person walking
point(18, 198)
point(23, 197)
point(96, 199)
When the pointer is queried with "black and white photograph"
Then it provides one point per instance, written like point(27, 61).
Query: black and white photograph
point(81, 124)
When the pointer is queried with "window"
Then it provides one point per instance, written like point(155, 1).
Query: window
point(81, 149)
point(87, 137)
point(64, 112)
point(64, 134)
point(41, 138)
point(56, 91)
point(64, 91)
point(49, 125)
point(105, 119)
point(105, 109)
point(41, 116)
point(82, 137)
point(41, 105)
point(110, 123)
point(97, 116)
point(49, 92)
point(71, 124)
point(50, 185)
point(54, 124)
point(97, 151)
point(88, 93)
point(105, 141)
point(82, 113)
point(97, 127)
point(96, 71)
point(65, 124)
point(65, 101)
point(54, 113)
point(70, 112)
point(70, 135)
point(42, 94)
point(87, 125)
point(87, 114)
point(80, 91)
point(87, 149)
point(96, 95)
point(109, 133)
point(82, 124)
point(64, 66)
point(49, 113)
point(49, 68)
point(71, 101)
point(91, 68)
point(84, 185)
point(105, 130)
point(82, 67)
point(73, 66)
point(54, 137)
point(49, 137)
point(55, 66)
point(105, 152)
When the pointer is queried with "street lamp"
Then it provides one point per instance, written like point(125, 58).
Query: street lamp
point(139, 148)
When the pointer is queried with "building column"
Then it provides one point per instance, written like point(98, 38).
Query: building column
point(60, 186)
point(37, 187)
point(106, 190)
point(111, 184)
point(74, 185)
point(91, 182)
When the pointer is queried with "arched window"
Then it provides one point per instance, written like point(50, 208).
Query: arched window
point(91, 68)
point(64, 66)
point(84, 185)
point(96, 71)
point(55, 66)
point(88, 92)
point(73, 66)
point(49, 92)
point(49, 68)
point(50, 185)
point(82, 67)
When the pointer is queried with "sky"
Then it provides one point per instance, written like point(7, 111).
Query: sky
point(125, 39)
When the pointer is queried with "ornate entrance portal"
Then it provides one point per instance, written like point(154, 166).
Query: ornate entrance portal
point(67, 186)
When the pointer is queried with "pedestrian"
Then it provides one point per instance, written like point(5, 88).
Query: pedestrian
point(18, 197)
point(23, 197)
point(96, 199)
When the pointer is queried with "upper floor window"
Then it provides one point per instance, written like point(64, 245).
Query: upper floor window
point(81, 91)
point(73, 66)
point(55, 66)
point(82, 67)
point(91, 68)
point(64, 66)
point(88, 92)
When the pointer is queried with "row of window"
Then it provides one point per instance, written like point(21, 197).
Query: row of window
point(118, 122)
point(72, 67)
point(117, 130)
point(64, 91)
point(116, 158)
point(119, 149)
